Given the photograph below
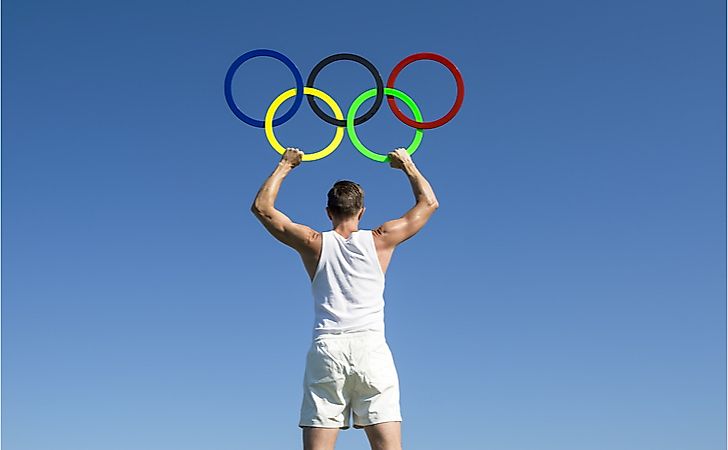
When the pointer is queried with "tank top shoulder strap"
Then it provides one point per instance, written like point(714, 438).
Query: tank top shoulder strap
point(325, 251)
point(367, 242)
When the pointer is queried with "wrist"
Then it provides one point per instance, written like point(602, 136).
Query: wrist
point(284, 166)
point(409, 167)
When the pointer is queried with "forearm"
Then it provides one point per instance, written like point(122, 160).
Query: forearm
point(266, 197)
point(420, 186)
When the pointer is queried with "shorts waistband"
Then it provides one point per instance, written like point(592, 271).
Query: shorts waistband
point(348, 335)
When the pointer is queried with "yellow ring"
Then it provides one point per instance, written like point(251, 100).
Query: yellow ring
point(316, 93)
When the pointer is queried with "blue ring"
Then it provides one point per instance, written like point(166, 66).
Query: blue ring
point(273, 54)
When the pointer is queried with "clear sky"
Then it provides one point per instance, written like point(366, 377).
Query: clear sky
point(569, 294)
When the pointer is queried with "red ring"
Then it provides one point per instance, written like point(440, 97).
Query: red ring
point(458, 100)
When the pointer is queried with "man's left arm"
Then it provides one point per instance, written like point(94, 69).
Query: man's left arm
point(300, 237)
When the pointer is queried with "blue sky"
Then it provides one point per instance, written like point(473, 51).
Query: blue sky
point(568, 294)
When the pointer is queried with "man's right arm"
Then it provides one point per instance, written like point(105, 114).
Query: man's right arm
point(392, 233)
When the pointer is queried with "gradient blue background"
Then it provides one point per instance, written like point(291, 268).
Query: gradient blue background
point(568, 294)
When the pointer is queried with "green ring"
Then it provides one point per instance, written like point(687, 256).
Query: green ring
point(352, 114)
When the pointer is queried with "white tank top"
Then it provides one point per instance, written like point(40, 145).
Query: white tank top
point(348, 286)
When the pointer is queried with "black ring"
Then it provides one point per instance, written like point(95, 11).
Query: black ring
point(349, 57)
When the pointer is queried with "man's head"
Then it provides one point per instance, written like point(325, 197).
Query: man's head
point(345, 201)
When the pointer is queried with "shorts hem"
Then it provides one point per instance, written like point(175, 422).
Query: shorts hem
point(378, 421)
point(334, 427)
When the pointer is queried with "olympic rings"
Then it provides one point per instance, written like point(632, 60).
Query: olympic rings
point(338, 136)
point(379, 92)
point(355, 139)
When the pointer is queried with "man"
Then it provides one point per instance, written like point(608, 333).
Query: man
point(349, 367)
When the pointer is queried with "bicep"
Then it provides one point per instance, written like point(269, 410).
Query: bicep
point(396, 231)
point(300, 237)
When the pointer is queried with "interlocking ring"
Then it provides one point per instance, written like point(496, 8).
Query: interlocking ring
point(379, 92)
point(272, 54)
point(311, 92)
point(458, 99)
point(352, 132)
point(350, 57)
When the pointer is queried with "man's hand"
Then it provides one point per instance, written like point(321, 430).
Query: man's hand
point(292, 157)
point(399, 158)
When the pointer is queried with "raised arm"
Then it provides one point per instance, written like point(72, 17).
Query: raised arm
point(392, 233)
point(302, 238)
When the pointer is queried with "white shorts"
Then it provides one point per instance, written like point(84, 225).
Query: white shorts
point(349, 373)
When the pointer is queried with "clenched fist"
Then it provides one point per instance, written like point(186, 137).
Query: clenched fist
point(292, 157)
point(399, 158)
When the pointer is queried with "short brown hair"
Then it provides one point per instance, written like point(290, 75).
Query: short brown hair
point(346, 198)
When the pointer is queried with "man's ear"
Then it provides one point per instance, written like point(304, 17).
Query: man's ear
point(361, 213)
point(328, 213)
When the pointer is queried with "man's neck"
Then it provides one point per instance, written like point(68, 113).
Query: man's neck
point(346, 228)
